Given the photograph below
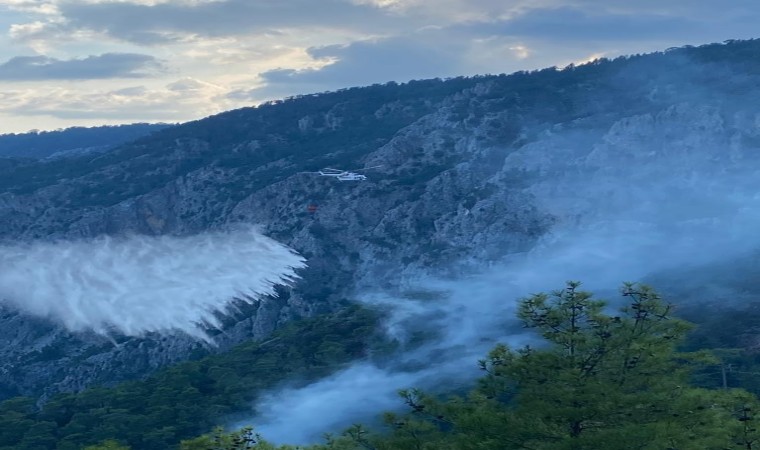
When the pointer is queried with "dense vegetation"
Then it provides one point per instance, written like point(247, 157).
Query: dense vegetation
point(602, 382)
point(338, 126)
point(41, 144)
point(598, 380)
point(188, 399)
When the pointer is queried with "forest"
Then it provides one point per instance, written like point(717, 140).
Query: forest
point(42, 144)
point(187, 399)
point(598, 380)
point(635, 378)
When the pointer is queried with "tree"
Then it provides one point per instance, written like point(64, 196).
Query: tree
point(595, 381)
point(598, 381)
point(243, 439)
point(605, 381)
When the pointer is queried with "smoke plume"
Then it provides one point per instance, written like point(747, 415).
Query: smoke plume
point(650, 195)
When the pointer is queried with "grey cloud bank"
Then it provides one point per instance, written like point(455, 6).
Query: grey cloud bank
point(155, 24)
point(109, 65)
point(366, 42)
point(363, 63)
point(577, 24)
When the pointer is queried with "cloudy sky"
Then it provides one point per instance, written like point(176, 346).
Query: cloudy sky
point(92, 62)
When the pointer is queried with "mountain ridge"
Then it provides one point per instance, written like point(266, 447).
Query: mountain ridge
point(72, 141)
point(465, 178)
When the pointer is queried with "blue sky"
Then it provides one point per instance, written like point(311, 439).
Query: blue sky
point(92, 62)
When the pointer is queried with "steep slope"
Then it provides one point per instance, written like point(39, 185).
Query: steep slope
point(72, 141)
point(470, 170)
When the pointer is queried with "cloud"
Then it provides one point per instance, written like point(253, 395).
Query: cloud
point(372, 61)
point(444, 12)
point(524, 38)
point(432, 53)
point(262, 50)
point(109, 65)
point(191, 85)
point(684, 8)
point(182, 100)
point(576, 24)
point(30, 6)
point(150, 24)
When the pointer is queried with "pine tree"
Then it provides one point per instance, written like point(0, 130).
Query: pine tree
point(606, 381)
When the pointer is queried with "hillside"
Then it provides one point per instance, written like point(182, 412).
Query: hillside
point(468, 171)
point(72, 141)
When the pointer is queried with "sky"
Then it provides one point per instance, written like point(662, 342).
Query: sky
point(101, 62)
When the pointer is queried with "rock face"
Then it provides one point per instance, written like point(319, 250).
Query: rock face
point(465, 172)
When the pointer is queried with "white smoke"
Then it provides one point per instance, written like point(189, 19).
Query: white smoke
point(471, 314)
point(138, 284)
point(654, 194)
point(467, 317)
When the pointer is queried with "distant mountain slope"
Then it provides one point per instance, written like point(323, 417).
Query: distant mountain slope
point(76, 140)
point(470, 170)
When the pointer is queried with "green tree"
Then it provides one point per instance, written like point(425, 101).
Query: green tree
point(597, 381)
point(605, 380)
point(243, 439)
point(593, 380)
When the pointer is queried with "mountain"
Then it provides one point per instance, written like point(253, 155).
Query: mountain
point(72, 141)
point(630, 159)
